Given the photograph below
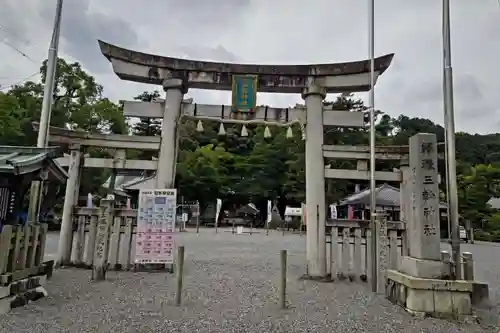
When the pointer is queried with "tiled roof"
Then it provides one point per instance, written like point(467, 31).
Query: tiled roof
point(120, 180)
point(24, 160)
point(248, 209)
point(386, 195)
point(494, 203)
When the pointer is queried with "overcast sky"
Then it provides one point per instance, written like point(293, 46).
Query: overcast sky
point(281, 32)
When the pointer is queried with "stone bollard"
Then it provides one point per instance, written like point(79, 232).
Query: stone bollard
point(283, 265)
point(448, 265)
point(101, 251)
point(468, 266)
point(180, 275)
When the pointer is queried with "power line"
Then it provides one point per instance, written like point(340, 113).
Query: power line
point(11, 77)
point(19, 82)
point(28, 43)
point(9, 31)
point(24, 41)
point(21, 39)
point(18, 51)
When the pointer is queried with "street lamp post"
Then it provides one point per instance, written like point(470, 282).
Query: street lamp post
point(373, 198)
point(449, 123)
point(48, 92)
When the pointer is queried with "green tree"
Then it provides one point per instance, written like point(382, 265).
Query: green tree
point(11, 120)
point(147, 126)
point(202, 175)
point(476, 188)
point(78, 104)
point(74, 90)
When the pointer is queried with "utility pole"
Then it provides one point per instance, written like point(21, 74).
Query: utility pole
point(373, 197)
point(448, 218)
point(449, 124)
point(48, 92)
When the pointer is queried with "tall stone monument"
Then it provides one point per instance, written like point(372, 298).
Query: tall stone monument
point(422, 285)
point(424, 259)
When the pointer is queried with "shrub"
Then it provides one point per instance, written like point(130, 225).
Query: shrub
point(492, 236)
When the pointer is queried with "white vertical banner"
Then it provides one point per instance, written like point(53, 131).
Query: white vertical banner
point(333, 211)
point(304, 214)
point(156, 226)
point(217, 211)
point(269, 212)
point(89, 200)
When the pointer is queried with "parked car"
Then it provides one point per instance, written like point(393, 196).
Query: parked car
point(463, 234)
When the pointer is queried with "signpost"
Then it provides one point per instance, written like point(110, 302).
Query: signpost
point(156, 226)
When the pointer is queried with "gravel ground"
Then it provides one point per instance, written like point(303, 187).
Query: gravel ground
point(230, 286)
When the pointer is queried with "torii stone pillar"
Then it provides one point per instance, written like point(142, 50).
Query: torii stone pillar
point(315, 183)
point(66, 233)
point(167, 159)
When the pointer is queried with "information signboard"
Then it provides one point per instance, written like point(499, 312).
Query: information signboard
point(156, 226)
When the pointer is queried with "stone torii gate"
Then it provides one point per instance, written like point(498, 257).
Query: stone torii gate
point(313, 82)
point(419, 281)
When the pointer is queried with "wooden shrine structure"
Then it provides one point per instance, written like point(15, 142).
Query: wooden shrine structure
point(23, 271)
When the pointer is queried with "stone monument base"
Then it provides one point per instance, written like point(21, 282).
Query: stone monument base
point(20, 293)
point(427, 269)
point(430, 297)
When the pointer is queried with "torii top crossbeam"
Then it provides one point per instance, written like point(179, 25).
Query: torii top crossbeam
point(153, 69)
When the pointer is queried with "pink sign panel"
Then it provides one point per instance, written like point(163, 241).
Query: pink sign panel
point(156, 226)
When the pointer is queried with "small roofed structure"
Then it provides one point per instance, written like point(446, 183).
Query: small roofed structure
point(19, 166)
point(248, 209)
point(386, 195)
point(127, 186)
point(494, 203)
point(388, 198)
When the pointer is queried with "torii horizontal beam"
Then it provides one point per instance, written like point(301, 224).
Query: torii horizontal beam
point(109, 163)
point(64, 136)
point(387, 153)
point(265, 113)
point(384, 176)
point(141, 67)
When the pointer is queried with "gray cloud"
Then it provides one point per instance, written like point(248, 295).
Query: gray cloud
point(81, 27)
point(260, 31)
point(204, 13)
point(13, 30)
point(218, 53)
point(468, 96)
